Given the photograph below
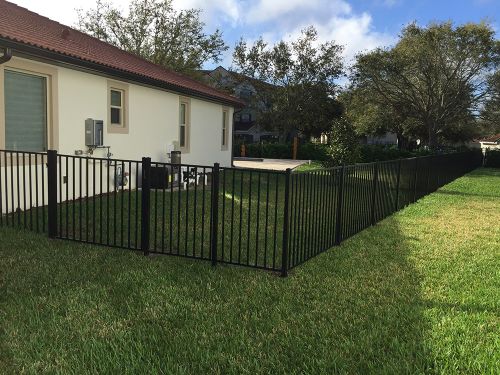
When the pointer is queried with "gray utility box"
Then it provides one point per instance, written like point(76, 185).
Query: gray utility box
point(94, 133)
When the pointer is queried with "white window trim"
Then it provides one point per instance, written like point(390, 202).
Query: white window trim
point(225, 130)
point(120, 107)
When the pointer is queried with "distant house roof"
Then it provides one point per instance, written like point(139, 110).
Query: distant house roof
point(32, 34)
point(239, 78)
point(491, 139)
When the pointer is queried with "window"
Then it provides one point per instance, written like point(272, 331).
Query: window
point(225, 124)
point(184, 125)
point(246, 117)
point(25, 111)
point(117, 107)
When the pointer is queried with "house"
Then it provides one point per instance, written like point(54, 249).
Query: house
point(252, 92)
point(492, 142)
point(53, 78)
point(387, 139)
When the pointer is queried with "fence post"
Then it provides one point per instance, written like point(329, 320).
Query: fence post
point(284, 255)
point(52, 192)
point(415, 179)
point(145, 206)
point(340, 198)
point(374, 191)
point(215, 214)
point(295, 147)
point(397, 186)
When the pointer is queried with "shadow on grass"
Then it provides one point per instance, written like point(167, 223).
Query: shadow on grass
point(464, 194)
point(484, 172)
point(71, 307)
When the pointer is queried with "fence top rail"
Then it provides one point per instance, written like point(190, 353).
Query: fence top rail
point(316, 170)
point(158, 163)
point(254, 170)
point(98, 158)
point(24, 152)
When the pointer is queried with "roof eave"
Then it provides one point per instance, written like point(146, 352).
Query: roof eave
point(48, 54)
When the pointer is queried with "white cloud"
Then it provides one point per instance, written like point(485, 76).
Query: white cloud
point(354, 31)
point(281, 10)
point(214, 11)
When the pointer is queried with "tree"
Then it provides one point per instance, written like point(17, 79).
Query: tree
point(154, 30)
point(304, 77)
point(433, 79)
point(490, 115)
point(371, 118)
point(343, 144)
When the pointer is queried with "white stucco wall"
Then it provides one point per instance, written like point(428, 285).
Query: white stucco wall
point(153, 124)
point(153, 117)
point(153, 121)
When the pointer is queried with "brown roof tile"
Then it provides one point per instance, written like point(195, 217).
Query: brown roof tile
point(24, 26)
point(491, 138)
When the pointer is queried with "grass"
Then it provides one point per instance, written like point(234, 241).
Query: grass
point(311, 166)
point(417, 293)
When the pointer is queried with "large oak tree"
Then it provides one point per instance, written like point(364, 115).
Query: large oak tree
point(433, 80)
point(303, 73)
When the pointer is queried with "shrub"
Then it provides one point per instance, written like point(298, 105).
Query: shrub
point(306, 151)
point(371, 153)
point(492, 159)
point(313, 151)
point(343, 144)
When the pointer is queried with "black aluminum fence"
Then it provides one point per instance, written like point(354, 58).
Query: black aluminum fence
point(328, 206)
point(254, 218)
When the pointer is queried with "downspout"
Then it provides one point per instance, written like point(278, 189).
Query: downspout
point(7, 55)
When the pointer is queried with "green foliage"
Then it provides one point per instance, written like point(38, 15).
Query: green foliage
point(371, 153)
point(492, 158)
point(304, 75)
point(154, 30)
point(306, 151)
point(490, 114)
point(313, 151)
point(431, 83)
point(343, 144)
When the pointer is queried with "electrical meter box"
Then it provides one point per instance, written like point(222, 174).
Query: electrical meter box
point(94, 133)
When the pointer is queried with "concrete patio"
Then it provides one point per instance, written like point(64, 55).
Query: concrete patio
point(269, 164)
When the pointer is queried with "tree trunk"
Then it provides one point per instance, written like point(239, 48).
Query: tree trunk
point(432, 136)
point(402, 142)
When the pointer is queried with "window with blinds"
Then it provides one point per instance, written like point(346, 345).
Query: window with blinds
point(25, 111)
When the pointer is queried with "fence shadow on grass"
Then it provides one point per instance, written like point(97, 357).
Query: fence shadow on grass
point(355, 309)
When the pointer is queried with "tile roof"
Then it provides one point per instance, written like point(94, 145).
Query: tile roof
point(491, 138)
point(23, 26)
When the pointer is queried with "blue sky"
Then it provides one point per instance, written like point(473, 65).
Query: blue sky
point(357, 24)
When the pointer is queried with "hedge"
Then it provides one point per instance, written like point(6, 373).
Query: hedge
point(319, 152)
point(492, 159)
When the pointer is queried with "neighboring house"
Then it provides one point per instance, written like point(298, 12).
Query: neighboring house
point(53, 78)
point(387, 139)
point(249, 90)
point(492, 142)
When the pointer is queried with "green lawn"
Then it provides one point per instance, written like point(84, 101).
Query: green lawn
point(312, 166)
point(418, 292)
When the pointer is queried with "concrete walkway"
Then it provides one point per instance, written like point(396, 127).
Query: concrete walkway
point(270, 164)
